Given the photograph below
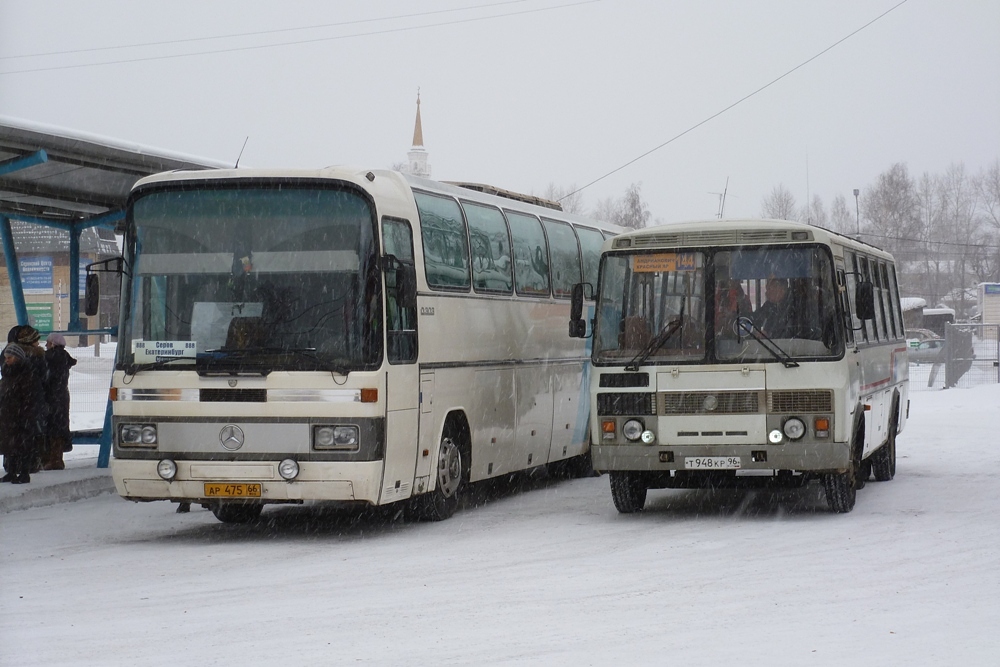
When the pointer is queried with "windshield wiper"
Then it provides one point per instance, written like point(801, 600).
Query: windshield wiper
point(747, 325)
point(133, 368)
point(658, 341)
point(245, 360)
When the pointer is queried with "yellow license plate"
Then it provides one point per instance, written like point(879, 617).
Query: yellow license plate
point(228, 490)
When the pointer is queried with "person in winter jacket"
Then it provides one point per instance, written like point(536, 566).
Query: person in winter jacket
point(22, 405)
point(20, 427)
point(58, 439)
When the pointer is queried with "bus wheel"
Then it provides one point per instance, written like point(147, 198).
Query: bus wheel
point(442, 502)
point(628, 491)
point(884, 458)
point(237, 512)
point(842, 487)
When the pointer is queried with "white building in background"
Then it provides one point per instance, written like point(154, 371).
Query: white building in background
point(417, 156)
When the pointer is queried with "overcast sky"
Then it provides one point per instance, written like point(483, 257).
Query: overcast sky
point(524, 94)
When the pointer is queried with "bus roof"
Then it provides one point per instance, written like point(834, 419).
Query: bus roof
point(735, 232)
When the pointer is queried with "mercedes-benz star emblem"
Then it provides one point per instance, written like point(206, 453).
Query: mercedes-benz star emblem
point(231, 437)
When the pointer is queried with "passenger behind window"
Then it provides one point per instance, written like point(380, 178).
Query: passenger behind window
point(774, 315)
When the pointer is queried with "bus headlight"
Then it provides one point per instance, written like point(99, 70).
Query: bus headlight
point(794, 428)
point(288, 469)
point(774, 437)
point(137, 435)
point(648, 437)
point(166, 469)
point(632, 429)
point(336, 437)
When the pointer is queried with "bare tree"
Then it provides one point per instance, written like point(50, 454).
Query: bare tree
point(815, 213)
point(779, 205)
point(629, 210)
point(890, 208)
point(842, 219)
point(634, 212)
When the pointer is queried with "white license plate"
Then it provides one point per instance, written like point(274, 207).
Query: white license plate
point(712, 462)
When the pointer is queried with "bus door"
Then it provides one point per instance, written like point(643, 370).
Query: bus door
point(402, 385)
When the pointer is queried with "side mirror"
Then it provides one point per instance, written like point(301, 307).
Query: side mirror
point(577, 325)
point(92, 295)
point(406, 285)
point(864, 300)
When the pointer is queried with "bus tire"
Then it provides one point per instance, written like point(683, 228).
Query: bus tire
point(842, 487)
point(884, 458)
point(237, 512)
point(442, 502)
point(627, 491)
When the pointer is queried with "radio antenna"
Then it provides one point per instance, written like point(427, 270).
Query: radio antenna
point(237, 165)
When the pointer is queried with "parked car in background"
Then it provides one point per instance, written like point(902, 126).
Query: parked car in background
point(929, 351)
point(920, 335)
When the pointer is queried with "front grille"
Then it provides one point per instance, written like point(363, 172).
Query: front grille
point(800, 401)
point(694, 402)
point(233, 396)
point(624, 404)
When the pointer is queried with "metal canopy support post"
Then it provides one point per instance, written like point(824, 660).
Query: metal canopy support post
point(74, 279)
point(13, 270)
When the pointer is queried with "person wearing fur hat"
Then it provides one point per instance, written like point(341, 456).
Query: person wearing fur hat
point(58, 439)
point(19, 428)
point(22, 406)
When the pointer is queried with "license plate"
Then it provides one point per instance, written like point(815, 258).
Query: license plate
point(712, 462)
point(225, 490)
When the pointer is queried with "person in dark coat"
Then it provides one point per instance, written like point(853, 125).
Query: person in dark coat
point(20, 427)
point(773, 316)
point(58, 439)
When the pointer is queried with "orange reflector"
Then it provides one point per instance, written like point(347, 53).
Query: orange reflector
point(113, 393)
point(868, 408)
point(608, 426)
point(822, 424)
point(369, 395)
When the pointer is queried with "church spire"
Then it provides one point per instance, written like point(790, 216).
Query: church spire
point(418, 131)
point(418, 165)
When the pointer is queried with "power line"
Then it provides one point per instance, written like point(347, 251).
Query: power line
point(739, 101)
point(262, 32)
point(303, 41)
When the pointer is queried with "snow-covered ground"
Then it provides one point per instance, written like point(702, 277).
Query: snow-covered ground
point(545, 574)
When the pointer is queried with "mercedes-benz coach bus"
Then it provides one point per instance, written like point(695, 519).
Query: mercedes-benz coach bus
point(729, 349)
point(344, 335)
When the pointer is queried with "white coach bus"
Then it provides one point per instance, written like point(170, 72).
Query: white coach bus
point(345, 335)
point(698, 380)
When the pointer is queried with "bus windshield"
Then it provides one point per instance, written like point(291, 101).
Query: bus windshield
point(271, 276)
point(751, 304)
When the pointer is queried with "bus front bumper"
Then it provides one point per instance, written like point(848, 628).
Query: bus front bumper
point(801, 457)
point(256, 481)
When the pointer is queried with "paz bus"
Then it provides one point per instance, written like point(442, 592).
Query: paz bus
point(343, 335)
point(695, 383)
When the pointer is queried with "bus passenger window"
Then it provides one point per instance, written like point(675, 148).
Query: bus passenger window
point(565, 257)
point(531, 257)
point(446, 253)
point(491, 271)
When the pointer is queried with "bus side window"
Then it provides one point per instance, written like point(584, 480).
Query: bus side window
point(446, 252)
point(846, 324)
point(887, 300)
point(531, 257)
point(896, 306)
point(401, 317)
point(853, 277)
point(565, 254)
point(590, 243)
point(871, 330)
point(490, 242)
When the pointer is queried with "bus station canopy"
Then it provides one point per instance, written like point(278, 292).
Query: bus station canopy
point(70, 181)
point(64, 178)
